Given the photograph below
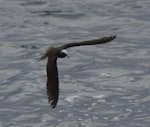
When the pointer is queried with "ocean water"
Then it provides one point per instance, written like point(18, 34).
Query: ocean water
point(100, 86)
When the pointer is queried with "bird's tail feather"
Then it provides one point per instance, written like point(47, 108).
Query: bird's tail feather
point(45, 54)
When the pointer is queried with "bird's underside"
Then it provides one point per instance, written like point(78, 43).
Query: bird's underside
point(52, 73)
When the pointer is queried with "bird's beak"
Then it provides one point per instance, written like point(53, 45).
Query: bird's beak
point(67, 56)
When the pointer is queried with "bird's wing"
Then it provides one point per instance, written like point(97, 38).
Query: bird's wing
point(89, 42)
point(52, 81)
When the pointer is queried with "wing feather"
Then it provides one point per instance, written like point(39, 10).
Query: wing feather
point(89, 42)
point(52, 82)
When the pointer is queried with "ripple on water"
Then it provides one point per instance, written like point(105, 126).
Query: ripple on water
point(105, 85)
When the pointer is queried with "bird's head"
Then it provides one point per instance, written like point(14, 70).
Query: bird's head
point(62, 54)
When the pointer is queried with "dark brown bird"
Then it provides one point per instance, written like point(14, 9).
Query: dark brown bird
point(52, 73)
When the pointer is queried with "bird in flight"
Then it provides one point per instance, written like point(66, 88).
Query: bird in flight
point(52, 73)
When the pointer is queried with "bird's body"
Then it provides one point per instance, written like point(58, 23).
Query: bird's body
point(52, 73)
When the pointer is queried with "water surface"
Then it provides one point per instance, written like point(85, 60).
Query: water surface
point(100, 86)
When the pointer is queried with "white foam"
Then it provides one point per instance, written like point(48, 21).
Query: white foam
point(106, 75)
point(100, 96)
point(71, 98)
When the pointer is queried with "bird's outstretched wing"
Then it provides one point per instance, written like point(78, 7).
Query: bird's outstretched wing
point(52, 82)
point(89, 42)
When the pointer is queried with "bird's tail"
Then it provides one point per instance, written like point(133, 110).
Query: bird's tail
point(45, 54)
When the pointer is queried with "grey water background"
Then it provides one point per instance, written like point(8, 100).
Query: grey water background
point(100, 86)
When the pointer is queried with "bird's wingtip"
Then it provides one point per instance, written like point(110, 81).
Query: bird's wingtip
point(53, 104)
point(109, 38)
point(113, 36)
